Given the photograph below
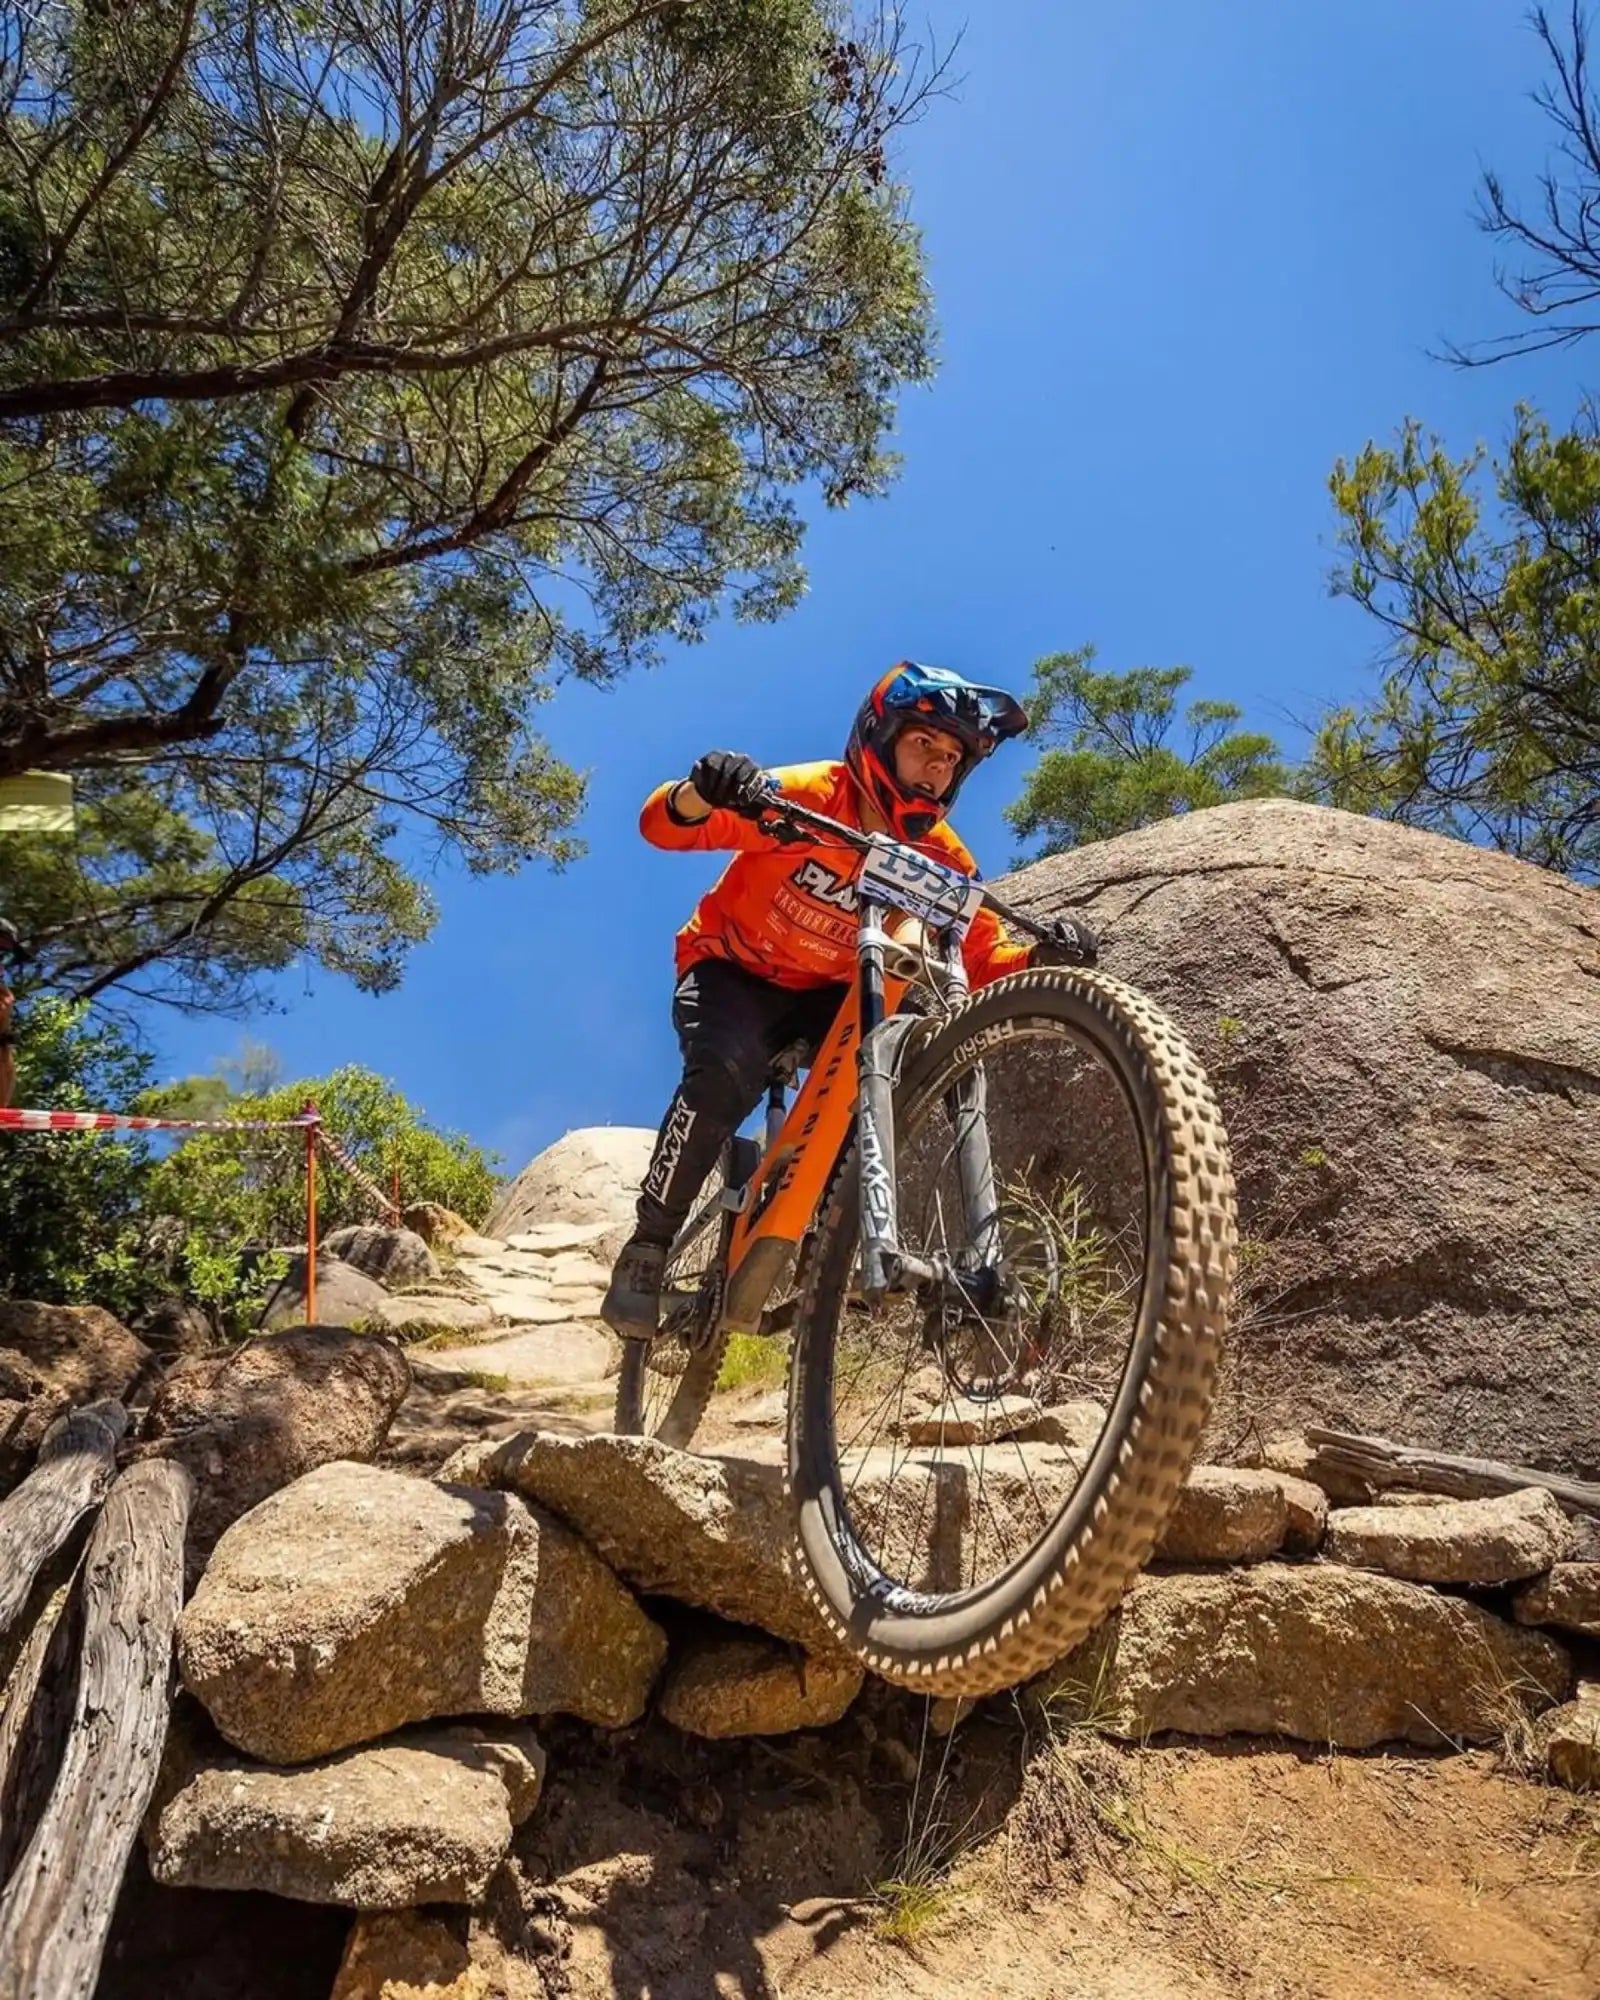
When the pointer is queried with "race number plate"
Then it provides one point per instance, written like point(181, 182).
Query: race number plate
point(922, 888)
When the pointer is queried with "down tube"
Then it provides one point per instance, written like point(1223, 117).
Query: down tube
point(788, 1186)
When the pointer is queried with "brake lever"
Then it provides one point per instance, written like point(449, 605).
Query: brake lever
point(783, 831)
point(779, 826)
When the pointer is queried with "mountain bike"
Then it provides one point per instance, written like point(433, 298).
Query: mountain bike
point(1001, 1225)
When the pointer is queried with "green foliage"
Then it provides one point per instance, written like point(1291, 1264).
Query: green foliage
point(252, 1186)
point(1110, 767)
point(1486, 576)
point(361, 378)
point(72, 1202)
point(753, 1361)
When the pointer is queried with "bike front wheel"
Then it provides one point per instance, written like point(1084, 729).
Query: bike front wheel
point(978, 1479)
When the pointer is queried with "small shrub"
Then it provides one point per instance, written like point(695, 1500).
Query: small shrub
point(753, 1361)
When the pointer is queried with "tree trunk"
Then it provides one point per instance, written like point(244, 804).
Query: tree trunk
point(37, 1717)
point(56, 1910)
point(1383, 1464)
point(76, 1462)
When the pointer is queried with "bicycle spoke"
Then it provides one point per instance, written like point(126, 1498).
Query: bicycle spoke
point(1070, 1228)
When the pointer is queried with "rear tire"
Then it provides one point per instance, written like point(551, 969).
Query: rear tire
point(993, 1634)
point(664, 1384)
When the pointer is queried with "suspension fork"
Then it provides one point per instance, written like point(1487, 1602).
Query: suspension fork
point(885, 1266)
point(967, 1104)
point(880, 1228)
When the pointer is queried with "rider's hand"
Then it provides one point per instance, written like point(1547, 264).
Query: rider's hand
point(1071, 942)
point(729, 779)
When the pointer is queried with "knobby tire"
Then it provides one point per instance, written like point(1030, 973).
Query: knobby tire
point(677, 1424)
point(1000, 1632)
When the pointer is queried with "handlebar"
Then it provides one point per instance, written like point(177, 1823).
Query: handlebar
point(804, 823)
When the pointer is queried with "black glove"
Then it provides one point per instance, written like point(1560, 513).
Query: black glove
point(729, 778)
point(1070, 942)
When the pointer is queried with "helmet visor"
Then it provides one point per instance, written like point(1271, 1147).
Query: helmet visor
point(981, 717)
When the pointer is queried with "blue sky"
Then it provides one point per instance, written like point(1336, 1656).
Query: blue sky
point(1185, 253)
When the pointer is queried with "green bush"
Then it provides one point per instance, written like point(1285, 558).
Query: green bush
point(122, 1222)
point(71, 1202)
point(258, 1180)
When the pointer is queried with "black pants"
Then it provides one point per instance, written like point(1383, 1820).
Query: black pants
point(730, 1027)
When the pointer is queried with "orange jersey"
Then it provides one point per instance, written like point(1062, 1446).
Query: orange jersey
point(788, 913)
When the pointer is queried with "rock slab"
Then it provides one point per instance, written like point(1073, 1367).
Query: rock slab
point(1313, 1651)
point(424, 1818)
point(416, 1955)
point(737, 1685)
point(1226, 1514)
point(1571, 1736)
point(358, 1600)
point(1498, 1540)
point(422, 1315)
point(961, 1421)
point(718, 1532)
point(1568, 1597)
point(278, 1407)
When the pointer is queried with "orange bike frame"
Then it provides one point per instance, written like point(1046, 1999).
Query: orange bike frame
point(786, 1189)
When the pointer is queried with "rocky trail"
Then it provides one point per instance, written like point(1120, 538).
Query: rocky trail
point(475, 1701)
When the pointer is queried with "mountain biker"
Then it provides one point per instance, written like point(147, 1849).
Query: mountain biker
point(765, 959)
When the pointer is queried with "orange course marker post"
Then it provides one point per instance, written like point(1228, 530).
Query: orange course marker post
point(310, 1114)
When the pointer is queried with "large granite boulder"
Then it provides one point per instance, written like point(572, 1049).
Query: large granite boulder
point(395, 1257)
point(345, 1296)
point(588, 1176)
point(1404, 1032)
point(72, 1354)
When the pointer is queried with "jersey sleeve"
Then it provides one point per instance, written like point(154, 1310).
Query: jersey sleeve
point(722, 829)
point(991, 950)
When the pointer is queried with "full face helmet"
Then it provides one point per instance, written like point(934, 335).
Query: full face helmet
point(980, 718)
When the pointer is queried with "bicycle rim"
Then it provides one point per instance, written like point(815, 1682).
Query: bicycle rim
point(955, 1536)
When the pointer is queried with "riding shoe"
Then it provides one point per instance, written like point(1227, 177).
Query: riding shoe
point(632, 1304)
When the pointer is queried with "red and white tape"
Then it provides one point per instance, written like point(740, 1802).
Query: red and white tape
point(367, 1185)
point(116, 1121)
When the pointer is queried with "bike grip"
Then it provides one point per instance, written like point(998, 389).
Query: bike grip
point(770, 796)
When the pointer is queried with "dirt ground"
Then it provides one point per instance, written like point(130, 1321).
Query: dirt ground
point(1030, 1867)
point(876, 1858)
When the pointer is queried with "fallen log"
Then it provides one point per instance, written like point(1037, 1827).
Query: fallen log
point(76, 1463)
point(36, 1718)
point(1383, 1464)
point(56, 1910)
